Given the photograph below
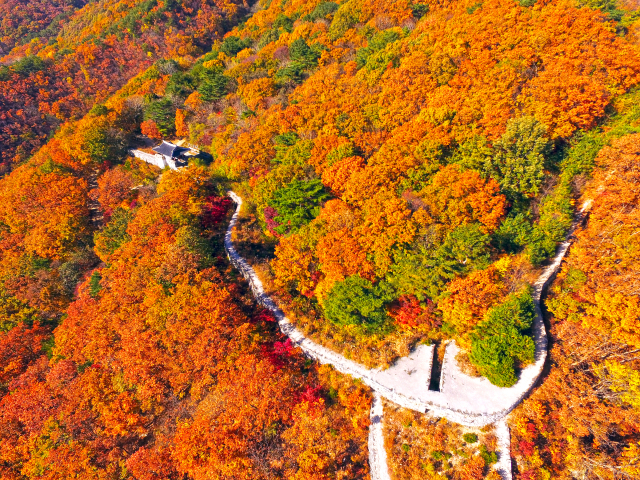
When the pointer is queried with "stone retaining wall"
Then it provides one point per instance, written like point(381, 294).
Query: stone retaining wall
point(160, 161)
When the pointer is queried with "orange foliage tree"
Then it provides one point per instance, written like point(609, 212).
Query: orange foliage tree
point(150, 129)
point(140, 376)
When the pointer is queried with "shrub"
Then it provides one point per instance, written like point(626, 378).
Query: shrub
point(406, 310)
point(470, 437)
point(94, 284)
point(297, 204)
point(356, 301)
point(114, 234)
point(438, 455)
point(377, 43)
point(232, 45)
point(518, 163)
point(499, 340)
point(163, 113)
point(28, 65)
point(323, 10)
point(299, 51)
point(487, 456)
point(213, 86)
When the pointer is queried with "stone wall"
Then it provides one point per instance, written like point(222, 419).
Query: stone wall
point(160, 161)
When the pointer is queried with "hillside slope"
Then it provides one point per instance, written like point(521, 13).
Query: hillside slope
point(590, 425)
point(399, 159)
point(408, 167)
point(91, 53)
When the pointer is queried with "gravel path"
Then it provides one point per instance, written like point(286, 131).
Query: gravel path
point(377, 452)
point(504, 449)
point(462, 399)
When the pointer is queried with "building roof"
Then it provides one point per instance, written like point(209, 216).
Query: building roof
point(169, 149)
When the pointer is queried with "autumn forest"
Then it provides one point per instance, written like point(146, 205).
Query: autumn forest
point(367, 179)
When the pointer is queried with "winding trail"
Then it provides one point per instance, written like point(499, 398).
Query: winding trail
point(471, 401)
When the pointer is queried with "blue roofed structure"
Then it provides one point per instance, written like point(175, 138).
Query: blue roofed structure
point(170, 150)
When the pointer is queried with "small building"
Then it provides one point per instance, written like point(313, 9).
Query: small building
point(167, 154)
point(173, 155)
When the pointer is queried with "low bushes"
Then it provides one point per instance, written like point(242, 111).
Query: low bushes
point(501, 340)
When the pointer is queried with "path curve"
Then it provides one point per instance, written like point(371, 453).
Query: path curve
point(471, 401)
